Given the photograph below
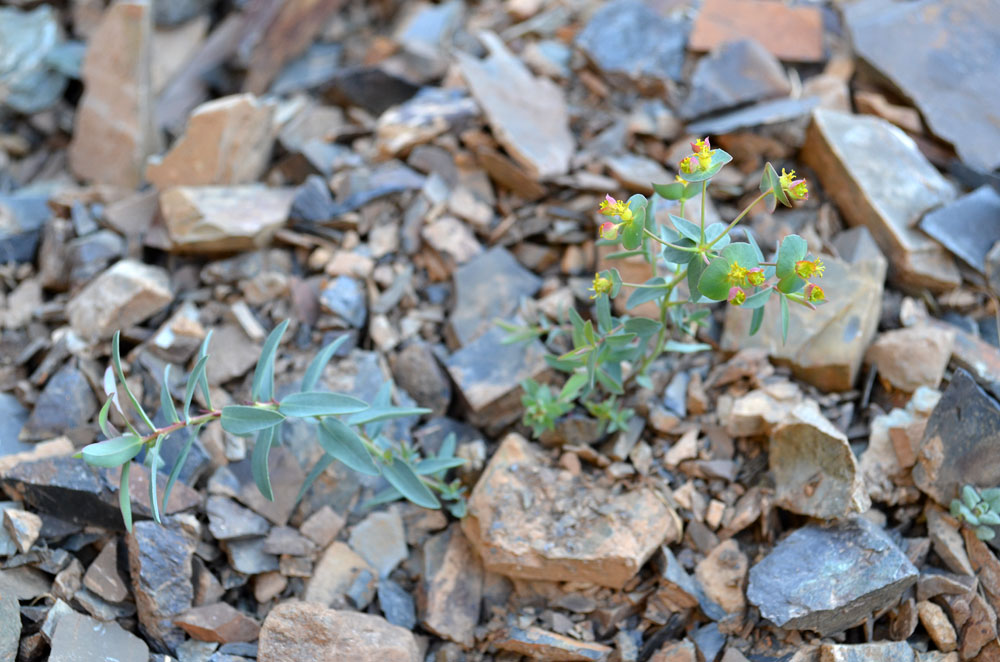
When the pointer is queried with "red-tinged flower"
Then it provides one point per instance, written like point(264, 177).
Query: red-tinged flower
point(737, 296)
point(687, 165)
point(701, 144)
point(808, 268)
point(756, 276)
point(611, 207)
point(814, 293)
point(799, 190)
point(609, 231)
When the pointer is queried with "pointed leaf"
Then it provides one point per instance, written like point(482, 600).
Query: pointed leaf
point(318, 364)
point(675, 255)
point(436, 464)
point(179, 464)
point(374, 414)
point(154, 462)
point(242, 420)
point(387, 495)
point(696, 268)
point(124, 499)
point(603, 309)
point(193, 378)
point(322, 463)
point(167, 402)
point(573, 386)
point(102, 420)
point(757, 299)
point(401, 476)
point(320, 403)
point(685, 347)
point(258, 462)
point(642, 326)
point(263, 375)
point(344, 444)
point(117, 362)
point(111, 389)
point(753, 242)
point(713, 232)
point(203, 379)
point(112, 452)
point(686, 228)
point(642, 295)
point(756, 320)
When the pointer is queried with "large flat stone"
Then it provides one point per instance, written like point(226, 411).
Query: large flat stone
point(878, 178)
point(943, 56)
point(828, 579)
point(968, 227)
point(78, 637)
point(127, 293)
point(220, 219)
point(530, 521)
point(790, 33)
point(735, 73)
point(528, 114)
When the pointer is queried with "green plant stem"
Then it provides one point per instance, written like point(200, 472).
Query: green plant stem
point(180, 425)
point(738, 218)
point(704, 189)
point(686, 249)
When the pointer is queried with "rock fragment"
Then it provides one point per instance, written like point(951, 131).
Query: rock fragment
point(160, 565)
point(893, 354)
point(735, 73)
point(722, 575)
point(75, 633)
point(380, 540)
point(64, 407)
point(218, 622)
point(789, 33)
point(103, 577)
point(126, 294)
point(936, 622)
point(451, 592)
point(884, 651)
point(23, 527)
point(539, 644)
point(337, 570)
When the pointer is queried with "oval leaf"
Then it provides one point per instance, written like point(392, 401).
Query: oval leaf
point(742, 254)
point(401, 476)
point(343, 443)
point(793, 248)
point(242, 420)
point(686, 228)
point(320, 403)
point(674, 191)
point(719, 159)
point(758, 299)
point(714, 281)
point(112, 452)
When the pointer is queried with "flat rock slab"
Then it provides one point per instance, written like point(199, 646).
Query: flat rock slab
point(943, 56)
point(78, 638)
point(221, 219)
point(227, 141)
point(528, 114)
point(652, 53)
point(530, 521)
point(124, 295)
point(879, 179)
point(828, 579)
point(539, 644)
point(789, 33)
point(735, 73)
point(884, 651)
point(432, 112)
point(775, 111)
point(894, 351)
point(825, 347)
point(961, 441)
point(815, 471)
point(967, 227)
point(303, 631)
point(65, 406)
point(452, 587)
point(160, 565)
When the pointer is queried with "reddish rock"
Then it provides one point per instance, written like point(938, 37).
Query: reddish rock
point(335, 572)
point(540, 644)
point(723, 575)
point(789, 33)
point(103, 577)
point(302, 631)
point(894, 352)
point(218, 622)
point(127, 293)
point(452, 587)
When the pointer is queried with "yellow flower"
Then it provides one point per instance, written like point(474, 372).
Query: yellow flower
point(756, 276)
point(737, 275)
point(609, 231)
point(799, 190)
point(687, 165)
point(601, 286)
point(809, 268)
point(611, 207)
point(814, 293)
point(786, 179)
point(737, 296)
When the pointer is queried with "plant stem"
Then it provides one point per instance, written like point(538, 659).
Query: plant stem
point(686, 249)
point(704, 188)
point(180, 425)
point(739, 218)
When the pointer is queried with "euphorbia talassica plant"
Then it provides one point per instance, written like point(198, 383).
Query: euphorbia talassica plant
point(348, 430)
point(608, 351)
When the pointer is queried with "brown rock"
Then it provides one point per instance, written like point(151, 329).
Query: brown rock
point(452, 587)
point(218, 622)
point(539, 644)
point(903, 620)
point(23, 527)
point(676, 651)
point(789, 33)
point(126, 294)
point(103, 577)
point(530, 521)
point(873, 103)
point(322, 526)
point(268, 585)
point(979, 629)
point(227, 142)
point(113, 131)
point(723, 574)
point(335, 573)
point(301, 631)
point(893, 353)
point(887, 190)
point(985, 565)
point(213, 219)
point(943, 530)
point(760, 410)
point(815, 471)
point(936, 622)
point(173, 49)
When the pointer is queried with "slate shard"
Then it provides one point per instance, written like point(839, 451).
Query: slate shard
point(735, 73)
point(967, 227)
point(827, 579)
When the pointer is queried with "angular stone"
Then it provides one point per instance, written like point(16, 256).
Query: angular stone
point(396, 604)
point(124, 295)
point(528, 115)
point(451, 238)
point(961, 437)
point(893, 354)
point(247, 556)
point(789, 33)
point(432, 112)
point(227, 520)
point(830, 578)
point(489, 374)
point(22, 216)
point(87, 256)
point(766, 113)
point(302, 631)
point(160, 567)
point(826, 346)
point(968, 226)
point(676, 651)
point(30, 42)
point(214, 219)
point(943, 530)
point(103, 577)
point(637, 173)
point(346, 298)
point(374, 88)
point(317, 65)
point(417, 371)
point(23, 528)
point(232, 354)
point(286, 540)
point(322, 526)
point(514, 524)
point(10, 622)
point(539, 644)
point(380, 540)
point(722, 575)
point(335, 572)
point(650, 56)
point(113, 132)
point(887, 190)
point(940, 629)
point(227, 142)
point(452, 587)
point(921, 53)
point(218, 622)
point(815, 471)
point(65, 406)
point(77, 637)
point(678, 591)
point(488, 286)
point(883, 651)
point(735, 73)
point(294, 26)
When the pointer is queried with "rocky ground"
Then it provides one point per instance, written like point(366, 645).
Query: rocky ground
point(408, 173)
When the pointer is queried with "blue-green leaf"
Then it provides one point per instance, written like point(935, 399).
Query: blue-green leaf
point(179, 464)
point(742, 254)
point(193, 378)
point(757, 299)
point(124, 498)
point(642, 295)
point(387, 495)
point(753, 242)
point(112, 452)
point(320, 403)
point(714, 281)
point(263, 375)
point(642, 326)
point(401, 476)
point(316, 366)
point(322, 463)
point(167, 402)
point(713, 232)
point(685, 347)
point(603, 309)
point(672, 191)
point(242, 420)
point(435, 464)
point(154, 462)
point(374, 414)
point(686, 228)
point(695, 269)
point(258, 461)
point(102, 419)
point(793, 248)
point(116, 360)
point(203, 378)
point(719, 159)
point(784, 319)
point(756, 320)
point(344, 444)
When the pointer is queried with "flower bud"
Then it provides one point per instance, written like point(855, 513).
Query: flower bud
point(756, 276)
point(737, 296)
point(609, 231)
point(600, 286)
point(814, 293)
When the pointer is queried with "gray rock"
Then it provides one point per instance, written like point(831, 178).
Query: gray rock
point(160, 566)
point(417, 371)
point(452, 587)
point(426, 28)
point(637, 173)
point(64, 407)
point(346, 298)
point(961, 437)
point(10, 623)
point(29, 83)
point(79, 638)
point(366, 185)
point(432, 112)
point(487, 287)
point(380, 540)
point(22, 216)
point(396, 604)
point(886, 189)
point(709, 641)
point(248, 556)
point(675, 395)
point(882, 651)
point(830, 578)
point(735, 73)
point(373, 88)
point(87, 256)
point(313, 68)
point(967, 227)
point(946, 65)
point(629, 42)
point(12, 418)
point(679, 589)
point(992, 267)
point(761, 114)
point(170, 14)
point(313, 202)
point(227, 520)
